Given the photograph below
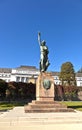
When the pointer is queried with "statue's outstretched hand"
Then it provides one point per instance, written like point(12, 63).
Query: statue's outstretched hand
point(39, 38)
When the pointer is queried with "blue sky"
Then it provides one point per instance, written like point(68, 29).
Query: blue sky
point(60, 24)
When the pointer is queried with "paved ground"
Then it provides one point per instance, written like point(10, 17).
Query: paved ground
point(16, 119)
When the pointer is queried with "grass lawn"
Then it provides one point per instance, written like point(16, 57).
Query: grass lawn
point(7, 106)
point(77, 105)
point(71, 104)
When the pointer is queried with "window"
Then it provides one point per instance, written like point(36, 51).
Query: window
point(80, 83)
point(27, 80)
point(17, 79)
point(22, 79)
point(56, 83)
point(56, 77)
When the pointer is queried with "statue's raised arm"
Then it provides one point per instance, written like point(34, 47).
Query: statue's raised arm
point(39, 38)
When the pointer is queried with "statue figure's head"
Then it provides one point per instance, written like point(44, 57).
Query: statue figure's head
point(43, 43)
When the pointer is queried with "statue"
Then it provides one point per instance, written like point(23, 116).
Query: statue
point(44, 62)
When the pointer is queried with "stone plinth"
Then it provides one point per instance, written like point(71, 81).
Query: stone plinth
point(42, 93)
point(45, 97)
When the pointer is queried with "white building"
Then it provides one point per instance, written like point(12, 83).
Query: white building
point(56, 78)
point(25, 73)
point(5, 74)
point(79, 79)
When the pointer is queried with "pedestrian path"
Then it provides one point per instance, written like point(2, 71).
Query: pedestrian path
point(19, 120)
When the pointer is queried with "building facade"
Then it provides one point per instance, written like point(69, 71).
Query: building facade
point(5, 74)
point(24, 73)
point(79, 79)
point(29, 74)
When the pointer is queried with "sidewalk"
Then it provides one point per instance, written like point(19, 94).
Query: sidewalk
point(16, 119)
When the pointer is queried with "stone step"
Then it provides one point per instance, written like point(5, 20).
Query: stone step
point(47, 103)
point(46, 110)
point(44, 102)
point(46, 106)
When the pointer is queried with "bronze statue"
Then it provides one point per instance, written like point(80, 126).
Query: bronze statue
point(44, 62)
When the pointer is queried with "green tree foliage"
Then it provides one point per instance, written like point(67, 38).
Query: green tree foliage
point(67, 74)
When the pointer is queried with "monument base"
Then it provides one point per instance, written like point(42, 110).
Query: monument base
point(45, 97)
point(46, 107)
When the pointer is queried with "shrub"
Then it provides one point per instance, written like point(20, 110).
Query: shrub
point(66, 92)
point(3, 87)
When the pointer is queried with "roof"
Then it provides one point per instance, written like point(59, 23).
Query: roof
point(78, 75)
point(55, 73)
point(5, 70)
point(27, 68)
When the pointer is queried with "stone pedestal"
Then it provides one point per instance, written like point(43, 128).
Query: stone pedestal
point(45, 97)
point(45, 87)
